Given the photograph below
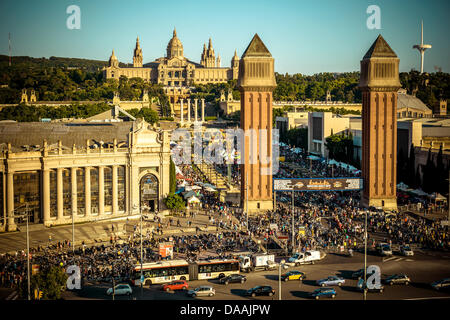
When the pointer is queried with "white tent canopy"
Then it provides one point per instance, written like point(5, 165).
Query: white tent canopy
point(437, 196)
point(193, 199)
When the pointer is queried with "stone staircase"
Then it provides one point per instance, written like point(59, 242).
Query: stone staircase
point(214, 177)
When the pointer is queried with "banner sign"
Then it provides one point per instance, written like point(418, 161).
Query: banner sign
point(318, 184)
point(166, 249)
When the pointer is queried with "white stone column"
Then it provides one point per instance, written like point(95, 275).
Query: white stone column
point(46, 195)
point(101, 191)
point(195, 110)
point(87, 191)
point(114, 190)
point(203, 110)
point(11, 225)
point(73, 180)
point(182, 116)
point(59, 192)
point(189, 110)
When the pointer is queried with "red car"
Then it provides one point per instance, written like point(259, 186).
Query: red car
point(176, 285)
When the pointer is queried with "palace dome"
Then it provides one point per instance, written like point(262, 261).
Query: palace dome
point(174, 47)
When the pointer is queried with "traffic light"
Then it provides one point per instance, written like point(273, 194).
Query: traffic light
point(40, 294)
point(35, 293)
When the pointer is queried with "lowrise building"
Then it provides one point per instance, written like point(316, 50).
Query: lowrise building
point(92, 171)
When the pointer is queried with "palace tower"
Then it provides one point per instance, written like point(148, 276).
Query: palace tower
point(256, 82)
point(379, 83)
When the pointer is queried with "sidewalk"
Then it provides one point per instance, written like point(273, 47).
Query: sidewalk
point(99, 232)
point(433, 216)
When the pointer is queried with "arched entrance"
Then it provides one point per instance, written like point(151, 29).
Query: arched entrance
point(149, 192)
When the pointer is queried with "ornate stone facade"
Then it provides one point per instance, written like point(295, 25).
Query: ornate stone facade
point(92, 171)
point(175, 70)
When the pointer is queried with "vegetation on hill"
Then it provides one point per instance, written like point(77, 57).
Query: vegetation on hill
point(25, 113)
point(57, 79)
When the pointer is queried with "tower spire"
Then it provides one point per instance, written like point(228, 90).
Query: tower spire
point(422, 47)
point(9, 48)
point(174, 31)
point(421, 34)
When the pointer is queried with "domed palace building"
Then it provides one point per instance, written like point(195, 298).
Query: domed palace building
point(176, 72)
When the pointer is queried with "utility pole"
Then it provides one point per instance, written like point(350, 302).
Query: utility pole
point(293, 238)
point(73, 233)
point(28, 255)
point(365, 257)
point(246, 196)
point(9, 48)
point(24, 215)
point(279, 278)
point(142, 273)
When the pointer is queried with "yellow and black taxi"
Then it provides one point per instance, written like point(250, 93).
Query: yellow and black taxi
point(293, 275)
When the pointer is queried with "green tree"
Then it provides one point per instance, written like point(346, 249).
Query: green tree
point(175, 202)
point(173, 179)
point(52, 282)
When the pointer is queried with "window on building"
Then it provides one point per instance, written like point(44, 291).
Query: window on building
point(94, 190)
point(81, 201)
point(53, 194)
point(67, 192)
point(27, 193)
point(108, 189)
point(121, 187)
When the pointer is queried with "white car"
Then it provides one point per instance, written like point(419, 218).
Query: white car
point(120, 289)
point(406, 251)
point(384, 249)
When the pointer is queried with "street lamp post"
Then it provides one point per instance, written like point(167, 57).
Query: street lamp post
point(279, 278)
point(365, 256)
point(293, 238)
point(28, 244)
point(73, 233)
point(142, 274)
point(28, 255)
point(246, 197)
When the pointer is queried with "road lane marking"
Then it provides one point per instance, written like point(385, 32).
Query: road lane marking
point(428, 298)
point(12, 296)
point(389, 259)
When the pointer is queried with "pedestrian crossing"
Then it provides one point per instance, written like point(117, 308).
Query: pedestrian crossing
point(397, 259)
point(13, 296)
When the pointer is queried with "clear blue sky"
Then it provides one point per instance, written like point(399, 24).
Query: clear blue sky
point(303, 36)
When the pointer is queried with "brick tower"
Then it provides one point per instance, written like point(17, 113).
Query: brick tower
point(379, 83)
point(256, 82)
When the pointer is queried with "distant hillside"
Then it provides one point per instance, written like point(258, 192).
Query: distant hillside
point(60, 62)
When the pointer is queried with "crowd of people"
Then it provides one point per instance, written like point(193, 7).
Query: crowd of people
point(319, 220)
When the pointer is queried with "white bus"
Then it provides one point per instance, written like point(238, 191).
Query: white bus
point(216, 269)
point(167, 271)
point(161, 272)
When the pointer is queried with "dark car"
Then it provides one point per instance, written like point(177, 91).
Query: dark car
point(358, 274)
point(397, 279)
point(323, 292)
point(260, 291)
point(442, 285)
point(234, 278)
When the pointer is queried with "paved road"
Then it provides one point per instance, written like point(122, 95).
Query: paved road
point(423, 268)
